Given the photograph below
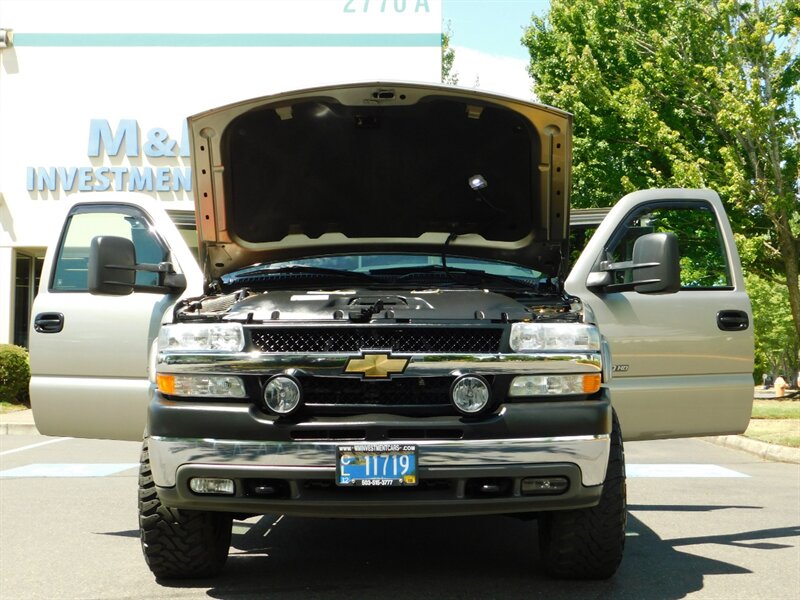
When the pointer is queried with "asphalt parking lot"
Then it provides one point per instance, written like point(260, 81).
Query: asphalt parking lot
point(704, 522)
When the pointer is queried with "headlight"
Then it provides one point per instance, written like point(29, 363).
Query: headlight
point(563, 337)
point(202, 337)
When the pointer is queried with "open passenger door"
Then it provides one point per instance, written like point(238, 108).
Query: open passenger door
point(682, 361)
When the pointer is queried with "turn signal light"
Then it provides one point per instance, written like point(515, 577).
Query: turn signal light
point(554, 385)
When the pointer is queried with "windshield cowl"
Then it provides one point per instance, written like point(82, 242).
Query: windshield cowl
point(374, 306)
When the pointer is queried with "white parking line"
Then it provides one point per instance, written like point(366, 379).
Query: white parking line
point(680, 471)
point(68, 470)
point(53, 441)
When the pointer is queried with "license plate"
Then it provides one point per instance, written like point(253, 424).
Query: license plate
point(381, 465)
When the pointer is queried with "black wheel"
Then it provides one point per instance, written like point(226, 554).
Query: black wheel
point(179, 544)
point(588, 543)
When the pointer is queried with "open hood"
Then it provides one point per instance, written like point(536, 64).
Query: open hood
point(381, 167)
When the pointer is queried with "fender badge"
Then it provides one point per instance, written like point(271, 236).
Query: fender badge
point(378, 365)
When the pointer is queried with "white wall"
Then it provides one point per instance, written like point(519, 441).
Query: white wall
point(147, 64)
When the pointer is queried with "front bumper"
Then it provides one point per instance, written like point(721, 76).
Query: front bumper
point(557, 439)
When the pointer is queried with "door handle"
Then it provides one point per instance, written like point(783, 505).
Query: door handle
point(732, 320)
point(48, 322)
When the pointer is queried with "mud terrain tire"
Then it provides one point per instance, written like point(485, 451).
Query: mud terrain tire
point(179, 544)
point(588, 543)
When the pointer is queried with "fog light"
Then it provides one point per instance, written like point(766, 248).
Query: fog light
point(282, 394)
point(470, 394)
point(544, 486)
point(211, 485)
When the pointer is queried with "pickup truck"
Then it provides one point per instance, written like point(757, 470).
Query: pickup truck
point(380, 318)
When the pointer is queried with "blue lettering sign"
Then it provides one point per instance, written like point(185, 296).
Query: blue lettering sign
point(103, 181)
point(140, 180)
point(163, 176)
point(158, 143)
point(85, 178)
point(119, 178)
point(67, 177)
point(100, 135)
point(103, 140)
point(181, 180)
point(46, 178)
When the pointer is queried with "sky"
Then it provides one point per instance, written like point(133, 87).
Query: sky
point(486, 38)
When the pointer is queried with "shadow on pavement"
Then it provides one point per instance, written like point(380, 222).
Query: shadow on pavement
point(472, 557)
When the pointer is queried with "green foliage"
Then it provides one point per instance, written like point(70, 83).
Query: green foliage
point(783, 432)
point(684, 94)
point(777, 349)
point(15, 373)
point(776, 409)
point(448, 56)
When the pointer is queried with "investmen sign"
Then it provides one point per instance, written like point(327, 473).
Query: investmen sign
point(127, 140)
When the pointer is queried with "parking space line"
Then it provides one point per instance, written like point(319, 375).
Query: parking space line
point(681, 471)
point(31, 446)
point(68, 470)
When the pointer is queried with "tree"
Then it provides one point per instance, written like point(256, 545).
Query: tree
point(448, 56)
point(772, 321)
point(689, 93)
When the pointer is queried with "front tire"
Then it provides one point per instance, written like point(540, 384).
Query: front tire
point(588, 543)
point(179, 544)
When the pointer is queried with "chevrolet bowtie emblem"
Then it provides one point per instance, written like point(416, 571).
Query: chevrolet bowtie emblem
point(376, 365)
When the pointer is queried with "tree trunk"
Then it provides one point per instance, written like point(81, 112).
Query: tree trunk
point(788, 246)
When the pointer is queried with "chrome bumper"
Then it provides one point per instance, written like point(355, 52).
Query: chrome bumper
point(588, 453)
point(419, 365)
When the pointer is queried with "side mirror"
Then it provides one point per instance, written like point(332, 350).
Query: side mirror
point(112, 269)
point(654, 268)
point(660, 251)
point(112, 266)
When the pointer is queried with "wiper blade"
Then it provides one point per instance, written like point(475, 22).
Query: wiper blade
point(298, 271)
point(461, 276)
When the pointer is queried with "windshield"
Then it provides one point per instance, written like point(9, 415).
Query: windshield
point(396, 268)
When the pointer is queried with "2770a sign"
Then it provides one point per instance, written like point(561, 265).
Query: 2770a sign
point(386, 6)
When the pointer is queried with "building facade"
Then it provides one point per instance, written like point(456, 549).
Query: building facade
point(94, 96)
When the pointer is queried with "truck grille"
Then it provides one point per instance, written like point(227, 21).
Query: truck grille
point(400, 392)
point(398, 339)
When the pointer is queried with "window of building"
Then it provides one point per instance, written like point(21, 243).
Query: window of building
point(28, 271)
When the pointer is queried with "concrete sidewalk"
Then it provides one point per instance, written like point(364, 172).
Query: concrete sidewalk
point(21, 423)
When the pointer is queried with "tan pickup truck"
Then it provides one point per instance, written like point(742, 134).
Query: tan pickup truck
point(380, 318)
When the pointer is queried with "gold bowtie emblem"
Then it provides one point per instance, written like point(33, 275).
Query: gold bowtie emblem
point(376, 366)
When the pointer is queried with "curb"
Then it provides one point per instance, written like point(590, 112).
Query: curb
point(18, 422)
point(18, 429)
point(763, 450)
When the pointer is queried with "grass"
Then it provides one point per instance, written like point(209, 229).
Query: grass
point(776, 409)
point(776, 422)
point(7, 407)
